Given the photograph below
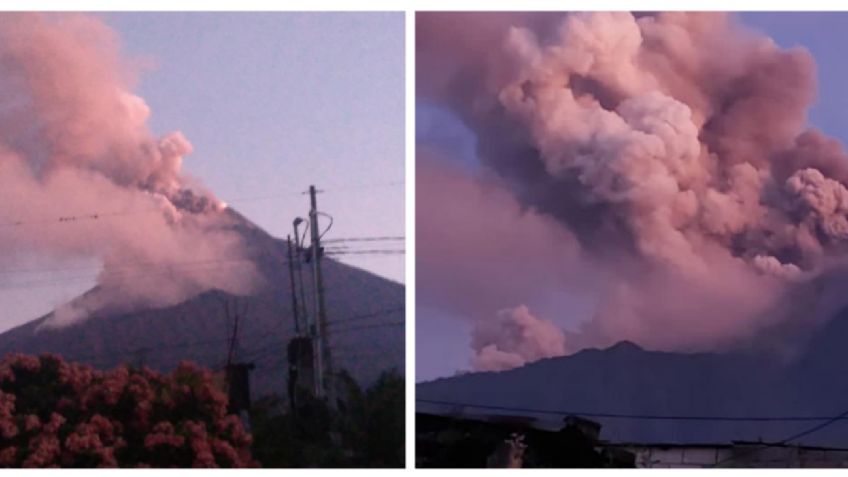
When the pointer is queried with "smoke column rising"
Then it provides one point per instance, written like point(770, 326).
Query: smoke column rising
point(674, 147)
point(74, 141)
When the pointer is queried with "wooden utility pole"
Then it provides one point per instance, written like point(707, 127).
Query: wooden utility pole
point(237, 374)
point(237, 314)
point(295, 306)
point(303, 346)
point(323, 361)
point(298, 246)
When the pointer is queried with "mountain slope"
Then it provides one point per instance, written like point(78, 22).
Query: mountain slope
point(196, 329)
point(628, 380)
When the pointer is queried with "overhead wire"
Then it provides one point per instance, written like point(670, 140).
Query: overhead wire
point(783, 442)
point(364, 327)
point(149, 270)
point(140, 269)
point(365, 252)
point(366, 239)
point(272, 334)
point(660, 417)
point(366, 316)
point(97, 215)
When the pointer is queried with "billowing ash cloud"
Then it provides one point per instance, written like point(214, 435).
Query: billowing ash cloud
point(514, 338)
point(74, 142)
point(674, 147)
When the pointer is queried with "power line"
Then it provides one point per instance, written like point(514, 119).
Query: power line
point(375, 325)
point(128, 265)
point(142, 270)
point(263, 352)
point(126, 273)
point(365, 252)
point(368, 315)
point(258, 354)
point(366, 239)
point(372, 185)
point(266, 350)
point(270, 333)
point(271, 350)
point(78, 217)
point(109, 356)
point(350, 258)
point(298, 192)
point(261, 197)
point(346, 356)
point(277, 359)
point(643, 416)
point(139, 272)
point(86, 216)
point(782, 442)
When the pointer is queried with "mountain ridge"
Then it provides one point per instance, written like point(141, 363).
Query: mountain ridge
point(642, 385)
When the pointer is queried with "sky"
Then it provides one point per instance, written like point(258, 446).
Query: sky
point(272, 102)
point(442, 339)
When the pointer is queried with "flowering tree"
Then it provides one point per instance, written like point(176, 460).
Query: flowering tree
point(59, 414)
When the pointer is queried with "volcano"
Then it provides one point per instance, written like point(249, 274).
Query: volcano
point(365, 313)
point(656, 397)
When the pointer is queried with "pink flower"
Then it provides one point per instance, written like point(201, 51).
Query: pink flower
point(8, 456)
point(163, 434)
point(143, 410)
point(83, 439)
point(44, 450)
point(77, 376)
point(31, 422)
point(24, 362)
point(64, 403)
point(94, 409)
point(6, 373)
point(225, 450)
point(153, 440)
point(204, 459)
point(7, 404)
point(103, 427)
point(8, 429)
point(107, 457)
point(55, 423)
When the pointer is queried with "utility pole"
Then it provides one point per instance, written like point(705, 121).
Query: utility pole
point(295, 306)
point(303, 370)
point(297, 262)
point(237, 314)
point(323, 356)
point(237, 374)
point(299, 350)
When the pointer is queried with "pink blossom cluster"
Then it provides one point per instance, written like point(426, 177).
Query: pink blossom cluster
point(59, 414)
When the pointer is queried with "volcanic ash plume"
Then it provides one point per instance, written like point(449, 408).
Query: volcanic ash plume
point(516, 337)
point(82, 176)
point(676, 143)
